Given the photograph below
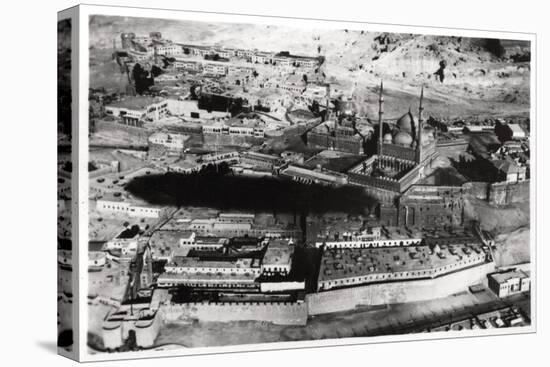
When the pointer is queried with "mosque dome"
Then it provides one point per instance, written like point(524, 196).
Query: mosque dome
point(403, 138)
point(406, 123)
point(388, 138)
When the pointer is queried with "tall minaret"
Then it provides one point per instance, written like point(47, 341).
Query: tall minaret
point(380, 113)
point(420, 109)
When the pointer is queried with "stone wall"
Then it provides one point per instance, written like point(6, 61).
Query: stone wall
point(396, 292)
point(282, 313)
point(504, 193)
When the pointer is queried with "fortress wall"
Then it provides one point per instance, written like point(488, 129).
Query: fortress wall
point(147, 331)
point(223, 139)
point(108, 126)
point(396, 292)
point(278, 313)
point(503, 193)
point(478, 189)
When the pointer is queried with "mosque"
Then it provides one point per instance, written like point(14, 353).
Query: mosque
point(404, 150)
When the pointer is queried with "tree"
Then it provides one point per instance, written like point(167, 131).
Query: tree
point(156, 71)
point(142, 80)
point(304, 77)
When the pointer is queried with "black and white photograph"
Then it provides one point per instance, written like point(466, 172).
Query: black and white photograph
point(64, 187)
point(255, 182)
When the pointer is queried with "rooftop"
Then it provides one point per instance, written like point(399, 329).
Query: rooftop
point(278, 253)
point(504, 277)
point(218, 262)
point(347, 262)
point(136, 103)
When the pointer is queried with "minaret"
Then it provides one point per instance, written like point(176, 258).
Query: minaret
point(420, 109)
point(380, 113)
point(327, 112)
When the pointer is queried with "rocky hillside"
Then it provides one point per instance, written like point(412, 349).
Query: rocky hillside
point(462, 76)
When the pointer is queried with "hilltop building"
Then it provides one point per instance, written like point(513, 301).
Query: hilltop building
point(509, 283)
point(402, 156)
point(134, 111)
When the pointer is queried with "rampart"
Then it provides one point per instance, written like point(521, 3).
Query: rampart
point(396, 292)
point(499, 193)
point(280, 313)
point(503, 193)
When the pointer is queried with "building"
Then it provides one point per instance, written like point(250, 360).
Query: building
point(168, 49)
point(134, 111)
point(261, 58)
point(260, 160)
point(113, 204)
point(214, 68)
point(238, 69)
point(509, 283)
point(126, 242)
point(508, 131)
point(509, 171)
point(517, 131)
point(348, 267)
point(214, 271)
point(162, 143)
point(185, 64)
point(190, 109)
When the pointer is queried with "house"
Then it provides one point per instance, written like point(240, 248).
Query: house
point(510, 283)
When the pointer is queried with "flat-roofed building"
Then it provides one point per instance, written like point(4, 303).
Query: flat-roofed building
point(509, 283)
point(219, 271)
point(112, 204)
point(190, 109)
point(214, 68)
point(344, 267)
point(261, 160)
point(168, 49)
point(236, 69)
point(126, 241)
point(134, 111)
point(261, 57)
point(510, 171)
point(185, 64)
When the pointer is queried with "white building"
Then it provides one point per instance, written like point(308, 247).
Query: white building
point(134, 110)
point(187, 65)
point(120, 206)
point(509, 283)
point(214, 68)
point(261, 57)
point(168, 49)
point(190, 109)
point(517, 131)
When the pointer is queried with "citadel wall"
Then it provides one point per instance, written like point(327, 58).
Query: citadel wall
point(503, 193)
point(282, 313)
point(396, 292)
